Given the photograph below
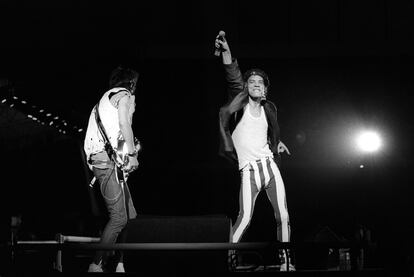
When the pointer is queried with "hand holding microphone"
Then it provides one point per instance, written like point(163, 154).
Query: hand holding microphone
point(220, 44)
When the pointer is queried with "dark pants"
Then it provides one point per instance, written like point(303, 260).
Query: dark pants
point(119, 205)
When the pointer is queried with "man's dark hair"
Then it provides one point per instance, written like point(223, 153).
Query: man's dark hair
point(122, 77)
point(259, 72)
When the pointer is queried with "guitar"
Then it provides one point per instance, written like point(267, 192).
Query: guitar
point(121, 159)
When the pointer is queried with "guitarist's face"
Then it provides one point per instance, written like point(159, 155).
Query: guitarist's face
point(133, 85)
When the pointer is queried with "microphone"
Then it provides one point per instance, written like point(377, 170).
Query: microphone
point(217, 50)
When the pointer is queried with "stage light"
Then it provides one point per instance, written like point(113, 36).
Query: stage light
point(24, 102)
point(368, 141)
point(3, 101)
point(49, 114)
point(42, 110)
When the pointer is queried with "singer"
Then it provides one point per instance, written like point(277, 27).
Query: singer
point(250, 138)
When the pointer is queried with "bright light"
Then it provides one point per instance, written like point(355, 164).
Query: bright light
point(369, 141)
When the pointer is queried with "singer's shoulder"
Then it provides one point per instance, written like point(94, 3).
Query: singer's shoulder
point(270, 105)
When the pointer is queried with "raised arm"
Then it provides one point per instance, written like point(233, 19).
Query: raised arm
point(232, 71)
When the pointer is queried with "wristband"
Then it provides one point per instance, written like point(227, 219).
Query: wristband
point(133, 154)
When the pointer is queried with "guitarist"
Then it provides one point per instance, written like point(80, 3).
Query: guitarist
point(109, 123)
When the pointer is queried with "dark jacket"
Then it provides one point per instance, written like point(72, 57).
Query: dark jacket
point(231, 113)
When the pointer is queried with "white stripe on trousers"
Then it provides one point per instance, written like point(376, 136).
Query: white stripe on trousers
point(251, 185)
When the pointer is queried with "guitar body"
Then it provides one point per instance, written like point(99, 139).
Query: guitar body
point(121, 158)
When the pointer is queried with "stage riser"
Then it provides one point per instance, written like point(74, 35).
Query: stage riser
point(182, 230)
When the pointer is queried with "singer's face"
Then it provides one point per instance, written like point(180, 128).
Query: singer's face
point(134, 85)
point(255, 86)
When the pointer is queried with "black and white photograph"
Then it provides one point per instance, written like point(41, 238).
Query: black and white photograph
point(202, 138)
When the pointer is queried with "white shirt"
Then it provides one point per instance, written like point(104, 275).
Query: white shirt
point(250, 138)
point(108, 112)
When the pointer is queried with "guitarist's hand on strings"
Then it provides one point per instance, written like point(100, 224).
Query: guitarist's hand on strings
point(132, 164)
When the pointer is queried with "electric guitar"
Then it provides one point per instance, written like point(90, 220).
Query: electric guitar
point(121, 159)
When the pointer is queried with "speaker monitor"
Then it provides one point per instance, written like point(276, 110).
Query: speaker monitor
point(183, 229)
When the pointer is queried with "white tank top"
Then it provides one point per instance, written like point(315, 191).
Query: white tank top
point(94, 142)
point(250, 138)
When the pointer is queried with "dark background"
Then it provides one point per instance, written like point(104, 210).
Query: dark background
point(335, 67)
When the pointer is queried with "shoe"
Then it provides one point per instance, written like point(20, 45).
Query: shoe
point(232, 260)
point(284, 258)
point(120, 268)
point(283, 267)
point(95, 268)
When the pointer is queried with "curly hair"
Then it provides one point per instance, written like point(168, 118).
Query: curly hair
point(123, 77)
point(259, 72)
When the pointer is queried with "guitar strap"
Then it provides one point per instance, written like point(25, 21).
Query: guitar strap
point(108, 147)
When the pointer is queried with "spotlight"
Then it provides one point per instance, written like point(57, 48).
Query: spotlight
point(369, 141)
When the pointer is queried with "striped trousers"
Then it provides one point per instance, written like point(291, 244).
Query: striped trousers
point(257, 176)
